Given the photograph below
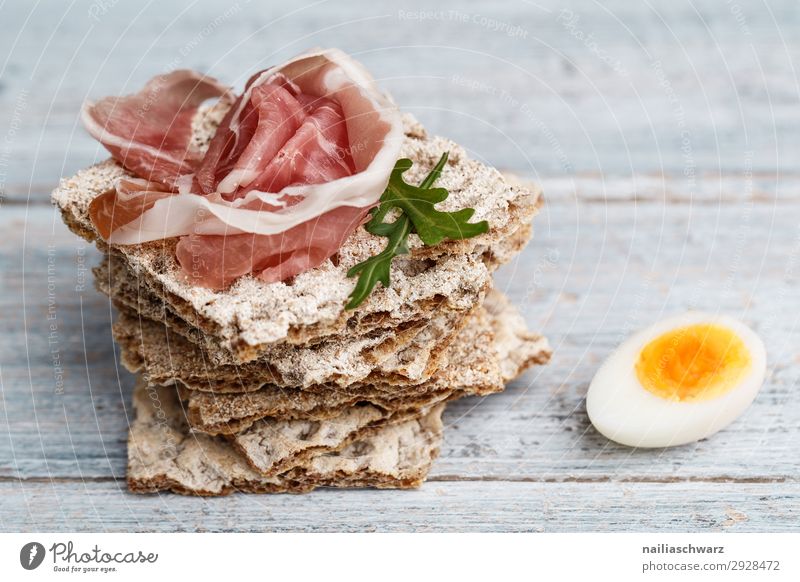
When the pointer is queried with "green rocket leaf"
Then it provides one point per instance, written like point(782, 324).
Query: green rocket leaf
point(417, 214)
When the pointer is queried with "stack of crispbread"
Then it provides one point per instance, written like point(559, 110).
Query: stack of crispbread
point(276, 387)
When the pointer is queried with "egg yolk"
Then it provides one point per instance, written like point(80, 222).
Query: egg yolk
point(696, 362)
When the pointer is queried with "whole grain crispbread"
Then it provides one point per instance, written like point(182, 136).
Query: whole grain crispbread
point(129, 290)
point(405, 355)
point(228, 414)
point(273, 446)
point(517, 348)
point(164, 357)
point(359, 446)
point(164, 454)
point(492, 349)
point(251, 315)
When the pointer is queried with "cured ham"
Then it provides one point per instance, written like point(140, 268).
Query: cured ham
point(216, 261)
point(127, 201)
point(150, 132)
point(293, 168)
point(281, 137)
point(316, 153)
point(270, 116)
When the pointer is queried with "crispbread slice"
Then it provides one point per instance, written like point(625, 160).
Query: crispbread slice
point(274, 446)
point(251, 315)
point(113, 278)
point(163, 454)
point(164, 358)
point(403, 356)
point(128, 290)
point(233, 413)
point(358, 446)
point(492, 349)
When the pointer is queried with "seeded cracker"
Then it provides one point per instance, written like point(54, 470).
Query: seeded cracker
point(489, 352)
point(251, 315)
point(164, 455)
point(276, 387)
point(363, 446)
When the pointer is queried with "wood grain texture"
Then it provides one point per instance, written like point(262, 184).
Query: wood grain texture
point(667, 156)
point(588, 280)
point(615, 88)
point(461, 506)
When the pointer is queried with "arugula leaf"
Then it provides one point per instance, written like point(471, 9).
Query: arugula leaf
point(417, 215)
point(377, 268)
point(417, 202)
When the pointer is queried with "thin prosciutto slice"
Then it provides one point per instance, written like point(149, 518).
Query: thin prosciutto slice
point(318, 152)
point(292, 170)
point(269, 117)
point(129, 199)
point(150, 132)
point(216, 261)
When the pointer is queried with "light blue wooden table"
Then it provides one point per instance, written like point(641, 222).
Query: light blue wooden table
point(666, 138)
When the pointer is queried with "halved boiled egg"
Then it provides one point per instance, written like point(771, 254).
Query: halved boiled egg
point(678, 381)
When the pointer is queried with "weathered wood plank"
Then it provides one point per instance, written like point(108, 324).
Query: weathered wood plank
point(713, 188)
point(665, 144)
point(623, 90)
point(587, 280)
point(465, 506)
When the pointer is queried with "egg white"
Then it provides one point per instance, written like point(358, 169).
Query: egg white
point(624, 411)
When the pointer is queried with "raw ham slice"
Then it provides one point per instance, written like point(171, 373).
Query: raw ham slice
point(272, 115)
point(293, 168)
point(117, 207)
point(316, 153)
point(150, 132)
point(217, 261)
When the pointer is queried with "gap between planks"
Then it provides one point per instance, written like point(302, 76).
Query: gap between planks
point(552, 201)
point(480, 479)
point(590, 188)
